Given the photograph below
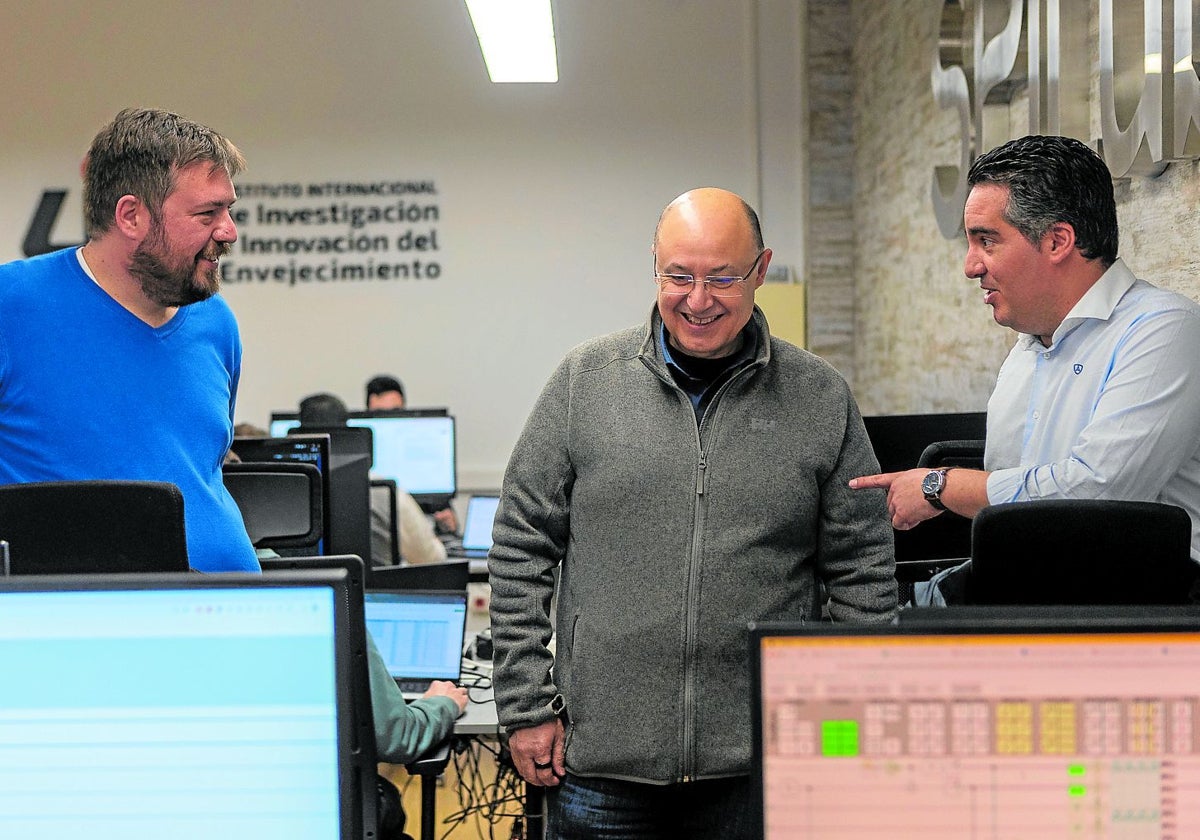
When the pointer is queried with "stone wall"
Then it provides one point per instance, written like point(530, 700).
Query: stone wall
point(923, 339)
point(829, 263)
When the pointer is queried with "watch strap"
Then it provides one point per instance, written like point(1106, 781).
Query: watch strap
point(934, 497)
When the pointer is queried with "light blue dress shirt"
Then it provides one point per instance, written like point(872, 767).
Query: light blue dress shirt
point(1110, 410)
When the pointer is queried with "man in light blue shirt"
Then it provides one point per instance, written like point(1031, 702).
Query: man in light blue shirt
point(1100, 397)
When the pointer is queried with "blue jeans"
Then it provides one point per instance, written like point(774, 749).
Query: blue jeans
point(608, 809)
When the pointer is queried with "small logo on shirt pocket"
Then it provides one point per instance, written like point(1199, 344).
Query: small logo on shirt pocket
point(761, 424)
point(1078, 368)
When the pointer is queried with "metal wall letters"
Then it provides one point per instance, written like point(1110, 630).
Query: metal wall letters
point(1149, 82)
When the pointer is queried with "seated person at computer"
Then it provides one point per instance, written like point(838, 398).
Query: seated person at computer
point(404, 730)
point(418, 543)
point(1100, 396)
point(386, 393)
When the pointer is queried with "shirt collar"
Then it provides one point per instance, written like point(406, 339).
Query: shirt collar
point(744, 354)
point(1098, 303)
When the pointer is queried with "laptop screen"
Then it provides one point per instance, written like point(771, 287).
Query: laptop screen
point(197, 705)
point(1041, 726)
point(419, 633)
point(477, 524)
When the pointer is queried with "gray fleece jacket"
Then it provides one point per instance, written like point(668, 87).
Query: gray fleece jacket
point(670, 539)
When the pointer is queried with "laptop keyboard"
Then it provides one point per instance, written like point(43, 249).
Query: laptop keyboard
point(413, 686)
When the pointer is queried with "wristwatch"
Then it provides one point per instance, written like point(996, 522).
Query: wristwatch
point(932, 486)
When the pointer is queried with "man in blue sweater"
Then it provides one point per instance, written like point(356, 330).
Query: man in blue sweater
point(117, 359)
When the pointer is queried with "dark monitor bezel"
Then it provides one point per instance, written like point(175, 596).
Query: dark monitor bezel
point(349, 499)
point(424, 411)
point(325, 447)
point(362, 743)
point(388, 485)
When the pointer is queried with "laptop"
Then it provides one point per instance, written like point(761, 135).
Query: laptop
point(1056, 722)
point(477, 528)
point(420, 634)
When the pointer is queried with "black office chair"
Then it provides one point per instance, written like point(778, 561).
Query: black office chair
point(87, 527)
point(429, 767)
point(452, 575)
point(945, 540)
point(1081, 551)
point(281, 502)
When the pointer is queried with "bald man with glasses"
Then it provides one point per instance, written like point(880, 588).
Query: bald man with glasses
point(682, 478)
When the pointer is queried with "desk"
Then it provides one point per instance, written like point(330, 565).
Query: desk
point(480, 716)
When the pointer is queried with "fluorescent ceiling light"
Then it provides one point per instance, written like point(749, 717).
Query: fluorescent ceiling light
point(517, 39)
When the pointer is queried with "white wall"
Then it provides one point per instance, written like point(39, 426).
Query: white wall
point(547, 195)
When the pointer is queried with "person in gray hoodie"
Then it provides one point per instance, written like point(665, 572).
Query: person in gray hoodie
point(683, 478)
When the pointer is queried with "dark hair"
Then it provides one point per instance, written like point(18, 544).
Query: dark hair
point(323, 410)
point(382, 384)
point(139, 153)
point(1054, 179)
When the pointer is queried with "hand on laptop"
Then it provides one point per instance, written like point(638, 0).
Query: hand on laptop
point(445, 521)
point(445, 688)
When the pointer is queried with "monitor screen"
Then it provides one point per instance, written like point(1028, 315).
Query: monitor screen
point(196, 706)
point(281, 421)
point(478, 522)
point(415, 450)
point(413, 447)
point(1035, 725)
point(280, 424)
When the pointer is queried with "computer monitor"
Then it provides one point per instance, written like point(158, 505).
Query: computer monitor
point(349, 499)
point(281, 421)
point(416, 449)
point(362, 742)
point(385, 525)
point(195, 706)
point(304, 449)
point(1056, 722)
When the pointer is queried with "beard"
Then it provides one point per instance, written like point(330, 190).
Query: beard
point(169, 280)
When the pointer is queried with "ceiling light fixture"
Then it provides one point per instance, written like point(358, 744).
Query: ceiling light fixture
point(516, 38)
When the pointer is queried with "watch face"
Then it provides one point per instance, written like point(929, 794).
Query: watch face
point(931, 484)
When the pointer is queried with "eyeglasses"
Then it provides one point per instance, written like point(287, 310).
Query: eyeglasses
point(681, 284)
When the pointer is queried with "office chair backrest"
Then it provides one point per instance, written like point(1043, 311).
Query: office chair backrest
point(281, 502)
point(898, 439)
point(1081, 551)
point(947, 536)
point(85, 527)
point(953, 453)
